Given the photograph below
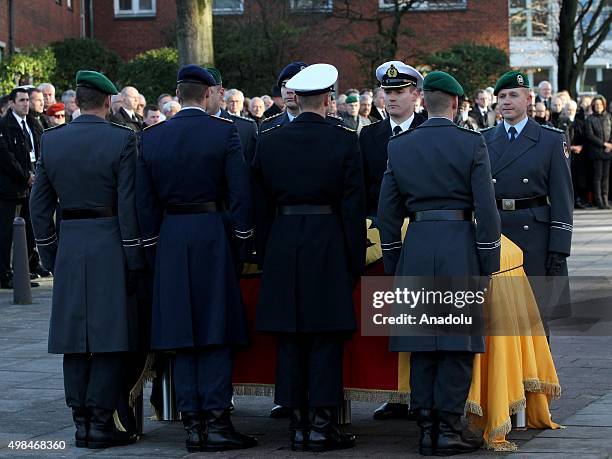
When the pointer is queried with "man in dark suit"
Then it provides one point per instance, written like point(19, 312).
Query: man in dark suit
point(311, 242)
point(22, 142)
point(401, 92)
point(247, 128)
point(439, 176)
point(127, 116)
point(482, 112)
point(197, 250)
point(379, 111)
point(533, 186)
point(544, 94)
point(93, 323)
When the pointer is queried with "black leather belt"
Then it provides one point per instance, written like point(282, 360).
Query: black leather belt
point(193, 208)
point(441, 215)
point(305, 209)
point(94, 212)
point(518, 204)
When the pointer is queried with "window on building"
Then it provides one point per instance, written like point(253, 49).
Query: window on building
point(311, 6)
point(128, 8)
point(426, 5)
point(228, 6)
point(593, 75)
point(2, 48)
point(69, 4)
point(529, 18)
point(59, 2)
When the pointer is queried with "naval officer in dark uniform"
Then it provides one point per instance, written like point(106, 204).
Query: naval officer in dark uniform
point(291, 108)
point(401, 85)
point(89, 166)
point(438, 175)
point(189, 167)
point(312, 243)
point(530, 166)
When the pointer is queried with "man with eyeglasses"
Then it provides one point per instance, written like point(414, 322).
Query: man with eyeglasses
point(56, 113)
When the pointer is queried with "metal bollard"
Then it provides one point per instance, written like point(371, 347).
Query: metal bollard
point(519, 419)
point(169, 412)
point(344, 413)
point(22, 290)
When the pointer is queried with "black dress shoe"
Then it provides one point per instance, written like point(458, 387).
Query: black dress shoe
point(221, 434)
point(80, 416)
point(280, 412)
point(427, 440)
point(42, 272)
point(193, 426)
point(33, 276)
point(390, 410)
point(325, 434)
point(103, 433)
point(298, 429)
point(453, 439)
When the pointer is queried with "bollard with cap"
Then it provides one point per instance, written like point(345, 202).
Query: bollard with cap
point(22, 289)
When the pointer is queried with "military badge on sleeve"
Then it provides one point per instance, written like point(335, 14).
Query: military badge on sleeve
point(566, 150)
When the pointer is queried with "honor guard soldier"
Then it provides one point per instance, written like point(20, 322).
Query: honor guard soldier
point(530, 166)
point(189, 167)
point(291, 108)
point(312, 243)
point(247, 128)
point(401, 85)
point(89, 166)
point(439, 176)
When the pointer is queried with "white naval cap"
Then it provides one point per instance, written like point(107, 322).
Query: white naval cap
point(314, 79)
point(396, 74)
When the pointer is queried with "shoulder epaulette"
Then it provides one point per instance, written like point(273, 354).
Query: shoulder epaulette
point(374, 122)
point(272, 117)
point(551, 128)
point(121, 126)
point(463, 128)
point(243, 118)
point(221, 118)
point(153, 125)
point(55, 127)
point(487, 129)
point(276, 126)
point(345, 128)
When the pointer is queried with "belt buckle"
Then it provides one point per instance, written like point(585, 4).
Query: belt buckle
point(508, 204)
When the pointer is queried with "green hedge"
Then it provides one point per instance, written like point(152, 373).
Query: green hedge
point(34, 66)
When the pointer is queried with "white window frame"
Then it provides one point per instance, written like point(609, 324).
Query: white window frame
point(2, 50)
point(424, 5)
point(529, 19)
point(222, 11)
point(69, 4)
point(328, 8)
point(135, 11)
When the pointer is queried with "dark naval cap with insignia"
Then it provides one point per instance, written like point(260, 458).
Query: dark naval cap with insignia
point(216, 74)
point(313, 80)
point(442, 81)
point(511, 80)
point(396, 74)
point(290, 71)
point(192, 73)
point(95, 80)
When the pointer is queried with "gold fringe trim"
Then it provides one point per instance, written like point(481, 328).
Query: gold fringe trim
point(257, 390)
point(378, 396)
point(515, 407)
point(498, 432)
point(147, 375)
point(473, 407)
point(535, 385)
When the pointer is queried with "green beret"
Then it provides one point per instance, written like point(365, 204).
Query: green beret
point(215, 74)
point(351, 99)
point(95, 80)
point(511, 80)
point(442, 81)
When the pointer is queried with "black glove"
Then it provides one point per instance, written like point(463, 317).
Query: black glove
point(132, 281)
point(554, 263)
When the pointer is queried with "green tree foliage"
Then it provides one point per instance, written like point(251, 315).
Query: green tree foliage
point(474, 66)
point(74, 54)
point(33, 66)
point(152, 73)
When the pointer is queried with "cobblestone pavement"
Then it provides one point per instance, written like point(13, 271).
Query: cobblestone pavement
point(32, 400)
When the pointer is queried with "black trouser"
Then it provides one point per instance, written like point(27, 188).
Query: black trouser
point(309, 370)
point(93, 380)
point(440, 380)
point(8, 211)
point(601, 178)
point(203, 378)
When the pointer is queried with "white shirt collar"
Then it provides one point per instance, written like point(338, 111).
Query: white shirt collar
point(405, 125)
point(290, 116)
point(129, 112)
point(518, 126)
point(19, 119)
point(192, 108)
point(218, 114)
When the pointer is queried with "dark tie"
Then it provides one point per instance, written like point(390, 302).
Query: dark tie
point(397, 130)
point(27, 136)
point(512, 132)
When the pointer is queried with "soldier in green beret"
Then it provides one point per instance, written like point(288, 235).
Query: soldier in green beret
point(350, 118)
point(88, 165)
point(530, 165)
